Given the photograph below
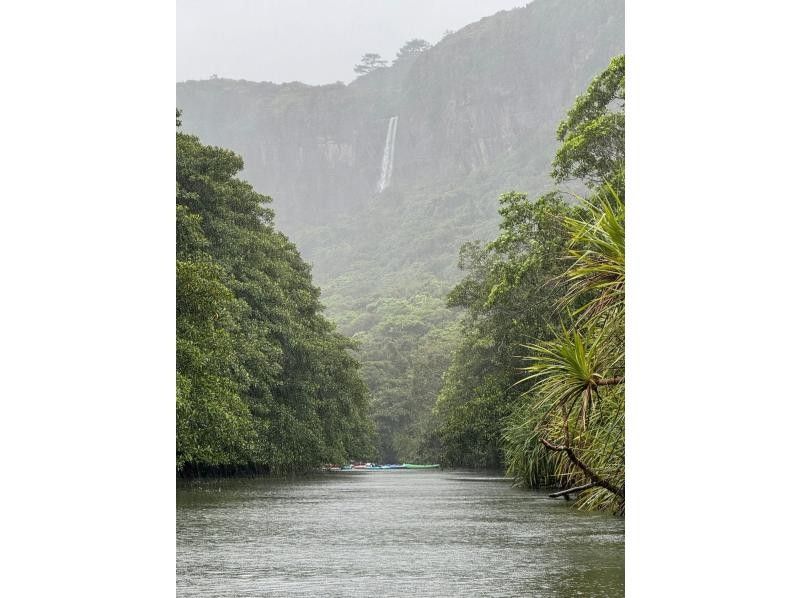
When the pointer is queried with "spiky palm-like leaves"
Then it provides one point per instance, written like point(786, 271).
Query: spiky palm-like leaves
point(598, 252)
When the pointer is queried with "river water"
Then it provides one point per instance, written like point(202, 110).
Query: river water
point(391, 533)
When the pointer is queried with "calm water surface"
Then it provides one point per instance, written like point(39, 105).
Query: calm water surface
point(390, 533)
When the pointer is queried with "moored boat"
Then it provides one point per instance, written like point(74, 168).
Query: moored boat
point(374, 467)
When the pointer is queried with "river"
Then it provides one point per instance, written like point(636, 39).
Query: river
point(391, 533)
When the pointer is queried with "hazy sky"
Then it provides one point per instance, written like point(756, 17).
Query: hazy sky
point(314, 41)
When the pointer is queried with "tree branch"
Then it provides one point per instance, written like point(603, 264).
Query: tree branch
point(572, 490)
point(610, 381)
point(585, 469)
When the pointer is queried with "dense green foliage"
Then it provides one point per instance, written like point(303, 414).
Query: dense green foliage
point(406, 344)
point(509, 300)
point(576, 406)
point(593, 133)
point(263, 379)
point(537, 382)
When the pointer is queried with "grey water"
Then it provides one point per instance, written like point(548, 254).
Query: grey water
point(391, 533)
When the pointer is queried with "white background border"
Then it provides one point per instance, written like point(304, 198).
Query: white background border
point(88, 298)
point(712, 273)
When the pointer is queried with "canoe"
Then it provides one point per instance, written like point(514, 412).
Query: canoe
point(414, 466)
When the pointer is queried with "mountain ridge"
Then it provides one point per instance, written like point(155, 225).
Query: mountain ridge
point(474, 99)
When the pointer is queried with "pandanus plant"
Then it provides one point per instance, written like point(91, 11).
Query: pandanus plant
point(577, 378)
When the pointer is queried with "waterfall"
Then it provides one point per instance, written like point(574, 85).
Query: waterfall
point(388, 155)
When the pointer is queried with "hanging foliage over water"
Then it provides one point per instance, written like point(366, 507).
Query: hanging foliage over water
point(576, 407)
point(263, 379)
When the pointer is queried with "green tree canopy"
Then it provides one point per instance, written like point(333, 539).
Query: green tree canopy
point(592, 135)
point(263, 379)
point(509, 301)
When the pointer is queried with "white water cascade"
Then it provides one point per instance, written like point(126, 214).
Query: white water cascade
point(388, 156)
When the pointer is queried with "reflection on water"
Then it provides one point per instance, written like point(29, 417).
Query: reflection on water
point(390, 533)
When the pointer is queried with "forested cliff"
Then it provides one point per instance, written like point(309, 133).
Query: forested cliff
point(381, 181)
point(484, 101)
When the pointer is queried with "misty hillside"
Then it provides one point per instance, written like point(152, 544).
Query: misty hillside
point(484, 102)
point(381, 181)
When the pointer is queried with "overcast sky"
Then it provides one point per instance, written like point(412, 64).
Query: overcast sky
point(313, 41)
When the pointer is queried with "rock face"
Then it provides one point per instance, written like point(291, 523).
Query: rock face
point(484, 101)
